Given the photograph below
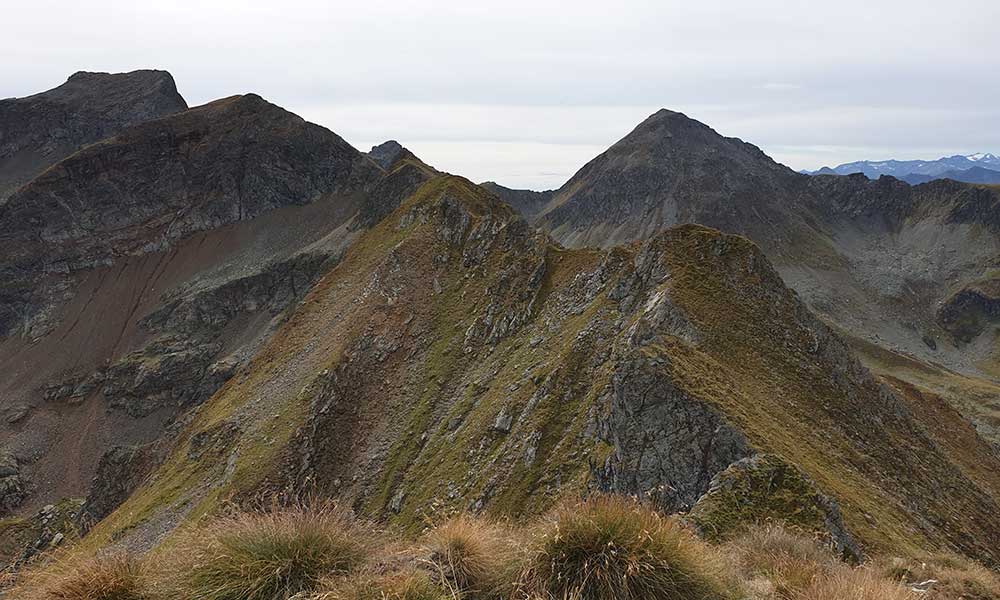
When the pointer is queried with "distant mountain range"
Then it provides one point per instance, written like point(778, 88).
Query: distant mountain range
point(973, 168)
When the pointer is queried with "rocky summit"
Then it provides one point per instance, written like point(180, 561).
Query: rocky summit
point(203, 307)
point(40, 130)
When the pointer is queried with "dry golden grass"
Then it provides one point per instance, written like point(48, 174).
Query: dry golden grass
point(953, 577)
point(264, 556)
point(404, 585)
point(473, 558)
point(108, 577)
point(614, 548)
point(777, 563)
point(605, 548)
point(846, 583)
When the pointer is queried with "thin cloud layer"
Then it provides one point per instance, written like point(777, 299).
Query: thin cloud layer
point(524, 92)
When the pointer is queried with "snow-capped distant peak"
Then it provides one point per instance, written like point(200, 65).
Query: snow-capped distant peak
point(981, 156)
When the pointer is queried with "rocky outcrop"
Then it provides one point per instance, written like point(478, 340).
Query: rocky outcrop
point(24, 539)
point(13, 489)
point(969, 311)
point(40, 130)
point(667, 445)
point(764, 489)
point(387, 153)
point(121, 470)
point(184, 362)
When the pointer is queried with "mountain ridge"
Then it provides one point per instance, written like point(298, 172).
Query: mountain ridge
point(229, 303)
point(901, 169)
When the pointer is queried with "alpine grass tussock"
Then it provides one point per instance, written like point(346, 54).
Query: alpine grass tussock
point(472, 557)
point(264, 556)
point(846, 583)
point(945, 577)
point(109, 577)
point(615, 548)
point(605, 548)
point(775, 562)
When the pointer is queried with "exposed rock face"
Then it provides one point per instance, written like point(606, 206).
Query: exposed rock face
point(12, 487)
point(969, 311)
point(40, 130)
point(121, 470)
point(184, 363)
point(405, 173)
point(668, 445)
point(387, 153)
point(142, 271)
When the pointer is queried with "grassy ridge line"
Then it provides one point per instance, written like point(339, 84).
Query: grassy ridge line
point(774, 371)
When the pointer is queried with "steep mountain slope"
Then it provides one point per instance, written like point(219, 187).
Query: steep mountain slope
point(40, 130)
point(139, 272)
point(456, 359)
point(879, 259)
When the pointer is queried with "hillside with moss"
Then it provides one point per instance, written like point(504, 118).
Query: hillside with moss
point(455, 360)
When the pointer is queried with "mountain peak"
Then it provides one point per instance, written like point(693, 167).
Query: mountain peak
point(665, 113)
point(87, 107)
point(671, 120)
point(670, 169)
point(386, 153)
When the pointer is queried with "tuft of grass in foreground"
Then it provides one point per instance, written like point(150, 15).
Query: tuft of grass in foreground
point(613, 547)
point(264, 556)
point(605, 548)
point(473, 558)
point(778, 563)
point(109, 577)
point(855, 584)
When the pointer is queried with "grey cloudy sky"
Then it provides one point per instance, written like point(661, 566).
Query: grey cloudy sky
point(525, 92)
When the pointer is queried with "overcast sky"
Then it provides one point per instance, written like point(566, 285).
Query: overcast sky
point(525, 92)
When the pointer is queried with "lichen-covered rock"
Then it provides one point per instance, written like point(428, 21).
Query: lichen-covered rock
point(23, 539)
point(763, 489)
point(13, 489)
point(121, 470)
point(668, 446)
